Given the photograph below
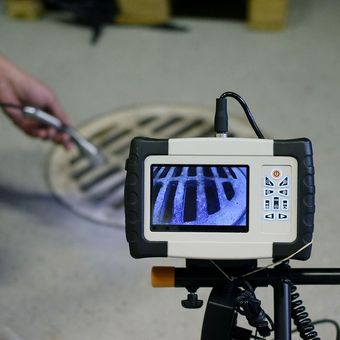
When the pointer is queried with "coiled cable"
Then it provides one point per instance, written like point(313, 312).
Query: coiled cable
point(301, 318)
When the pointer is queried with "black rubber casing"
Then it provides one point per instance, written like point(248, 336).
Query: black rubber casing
point(134, 197)
point(300, 149)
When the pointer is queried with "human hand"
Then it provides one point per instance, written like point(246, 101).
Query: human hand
point(20, 88)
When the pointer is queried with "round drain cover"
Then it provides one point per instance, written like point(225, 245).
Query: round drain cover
point(97, 193)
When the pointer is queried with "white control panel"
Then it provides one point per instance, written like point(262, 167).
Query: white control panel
point(276, 193)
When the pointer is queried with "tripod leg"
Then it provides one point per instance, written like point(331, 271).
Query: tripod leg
point(282, 310)
point(220, 316)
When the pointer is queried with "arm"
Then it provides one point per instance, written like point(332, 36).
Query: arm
point(20, 88)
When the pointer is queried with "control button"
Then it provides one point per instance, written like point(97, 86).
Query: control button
point(269, 216)
point(284, 182)
point(276, 203)
point(268, 192)
point(266, 204)
point(284, 204)
point(276, 174)
point(283, 217)
point(284, 192)
point(268, 182)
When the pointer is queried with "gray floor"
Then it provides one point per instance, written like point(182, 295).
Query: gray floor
point(64, 278)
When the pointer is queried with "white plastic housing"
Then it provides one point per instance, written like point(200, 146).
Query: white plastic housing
point(258, 241)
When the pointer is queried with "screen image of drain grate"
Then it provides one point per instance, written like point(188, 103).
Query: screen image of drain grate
point(199, 198)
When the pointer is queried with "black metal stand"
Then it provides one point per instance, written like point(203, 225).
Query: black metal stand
point(220, 315)
point(282, 313)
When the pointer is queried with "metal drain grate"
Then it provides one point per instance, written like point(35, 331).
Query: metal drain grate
point(198, 195)
point(97, 193)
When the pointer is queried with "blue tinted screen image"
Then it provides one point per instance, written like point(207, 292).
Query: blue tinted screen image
point(186, 197)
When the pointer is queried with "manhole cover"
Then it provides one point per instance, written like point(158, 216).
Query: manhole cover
point(97, 193)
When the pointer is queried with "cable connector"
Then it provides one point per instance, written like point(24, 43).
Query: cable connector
point(221, 117)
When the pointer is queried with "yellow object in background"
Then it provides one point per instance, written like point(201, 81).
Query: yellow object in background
point(25, 9)
point(262, 14)
point(267, 14)
point(143, 12)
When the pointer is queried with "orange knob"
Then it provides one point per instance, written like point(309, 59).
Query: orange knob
point(163, 277)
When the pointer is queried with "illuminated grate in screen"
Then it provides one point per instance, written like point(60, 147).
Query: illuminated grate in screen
point(199, 195)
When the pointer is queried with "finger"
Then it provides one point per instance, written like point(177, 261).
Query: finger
point(67, 142)
point(51, 132)
point(36, 133)
point(67, 145)
point(42, 133)
point(35, 129)
point(63, 139)
point(55, 108)
point(29, 124)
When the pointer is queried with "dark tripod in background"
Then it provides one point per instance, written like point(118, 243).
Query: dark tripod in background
point(233, 293)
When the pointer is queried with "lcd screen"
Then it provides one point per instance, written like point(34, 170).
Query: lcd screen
point(199, 198)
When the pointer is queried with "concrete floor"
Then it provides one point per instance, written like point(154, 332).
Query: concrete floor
point(64, 278)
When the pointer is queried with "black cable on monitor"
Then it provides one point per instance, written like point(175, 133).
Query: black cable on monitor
point(221, 114)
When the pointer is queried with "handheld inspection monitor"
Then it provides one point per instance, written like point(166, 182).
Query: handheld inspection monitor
point(220, 198)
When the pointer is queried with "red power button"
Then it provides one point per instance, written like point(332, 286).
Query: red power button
point(276, 173)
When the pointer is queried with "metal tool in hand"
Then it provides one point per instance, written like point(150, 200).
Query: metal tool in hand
point(85, 147)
